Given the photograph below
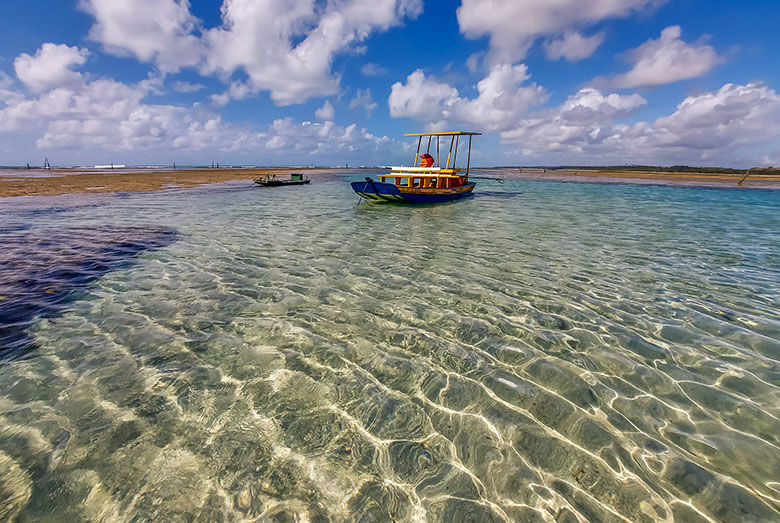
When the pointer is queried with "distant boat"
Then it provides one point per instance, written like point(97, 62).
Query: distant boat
point(111, 166)
point(423, 183)
point(270, 180)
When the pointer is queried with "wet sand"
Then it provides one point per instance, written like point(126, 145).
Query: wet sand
point(754, 181)
point(71, 181)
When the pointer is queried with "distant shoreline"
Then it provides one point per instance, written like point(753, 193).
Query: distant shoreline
point(39, 182)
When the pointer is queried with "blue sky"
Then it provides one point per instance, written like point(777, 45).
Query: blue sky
point(332, 82)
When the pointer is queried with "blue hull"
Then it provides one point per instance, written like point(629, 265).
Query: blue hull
point(388, 192)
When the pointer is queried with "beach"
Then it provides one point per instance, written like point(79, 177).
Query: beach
point(39, 182)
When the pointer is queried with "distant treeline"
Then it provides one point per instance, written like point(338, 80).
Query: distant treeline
point(672, 169)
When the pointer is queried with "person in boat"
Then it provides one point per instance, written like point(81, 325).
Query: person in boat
point(426, 160)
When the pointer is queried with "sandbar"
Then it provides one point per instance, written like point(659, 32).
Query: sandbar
point(70, 181)
point(696, 179)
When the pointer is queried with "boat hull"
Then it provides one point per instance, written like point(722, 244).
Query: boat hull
point(280, 183)
point(388, 192)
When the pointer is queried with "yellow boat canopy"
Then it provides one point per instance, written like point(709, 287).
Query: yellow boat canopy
point(447, 133)
point(454, 143)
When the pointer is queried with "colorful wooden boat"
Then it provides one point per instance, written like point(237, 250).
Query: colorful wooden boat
point(423, 182)
point(270, 180)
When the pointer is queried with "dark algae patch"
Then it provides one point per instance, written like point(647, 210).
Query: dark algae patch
point(42, 271)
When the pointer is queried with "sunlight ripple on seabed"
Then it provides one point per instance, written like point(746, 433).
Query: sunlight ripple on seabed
point(568, 352)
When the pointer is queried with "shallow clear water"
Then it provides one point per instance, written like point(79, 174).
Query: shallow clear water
point(540, 351)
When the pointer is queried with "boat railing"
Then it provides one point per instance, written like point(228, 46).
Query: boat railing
point(430, 171)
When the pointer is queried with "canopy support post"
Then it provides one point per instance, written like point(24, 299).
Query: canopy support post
point(455, 158)
point(449, 154)
point(468, 160)
point(414, 163)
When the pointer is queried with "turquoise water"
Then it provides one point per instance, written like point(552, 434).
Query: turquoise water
point(540, 351)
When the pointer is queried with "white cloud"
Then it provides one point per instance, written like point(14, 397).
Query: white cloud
point(573, 46)
point(314, 138)
point(513, 26)
point(363, 99)
point(771, 160)
point(5, 80)
point(187, 87)
point(50, 67)
point(710, 127)
point(326, 112)
point(7, 96)
point(472, 62)
point(258, 36)
point(735, 115)
point(239, 90)
point(220, 99)
point(501, 101)
point(150, 30)
point(284, 46)
point(372, 69)
point(107, 116)
point(666, 60)
point(421, 98)
point(236, 91)
point(583, 122)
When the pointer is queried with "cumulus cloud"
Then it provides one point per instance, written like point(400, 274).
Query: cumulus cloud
point(326, 112)
point(5, 80)
point(150, 30)
point(187, 87)
point(103, 115)
point(666, 60)
point(502, 98)
point(583, 122)
point(50, 67)
point(259, 37)
point(513, 26)
point(220, 99)
point(421, 98)
point(771, 160)
point(284, 46)
point(316, 138)
point(372, 69)
point(573, 46)
point(8, 96)
point(363, 99)
point(710, 127)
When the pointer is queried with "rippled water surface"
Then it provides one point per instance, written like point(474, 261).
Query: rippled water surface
point(540, 351)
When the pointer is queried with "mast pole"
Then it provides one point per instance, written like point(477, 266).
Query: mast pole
point(468, 161)
point(419, 141)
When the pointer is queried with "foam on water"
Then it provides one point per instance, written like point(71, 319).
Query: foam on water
point(539, 351)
